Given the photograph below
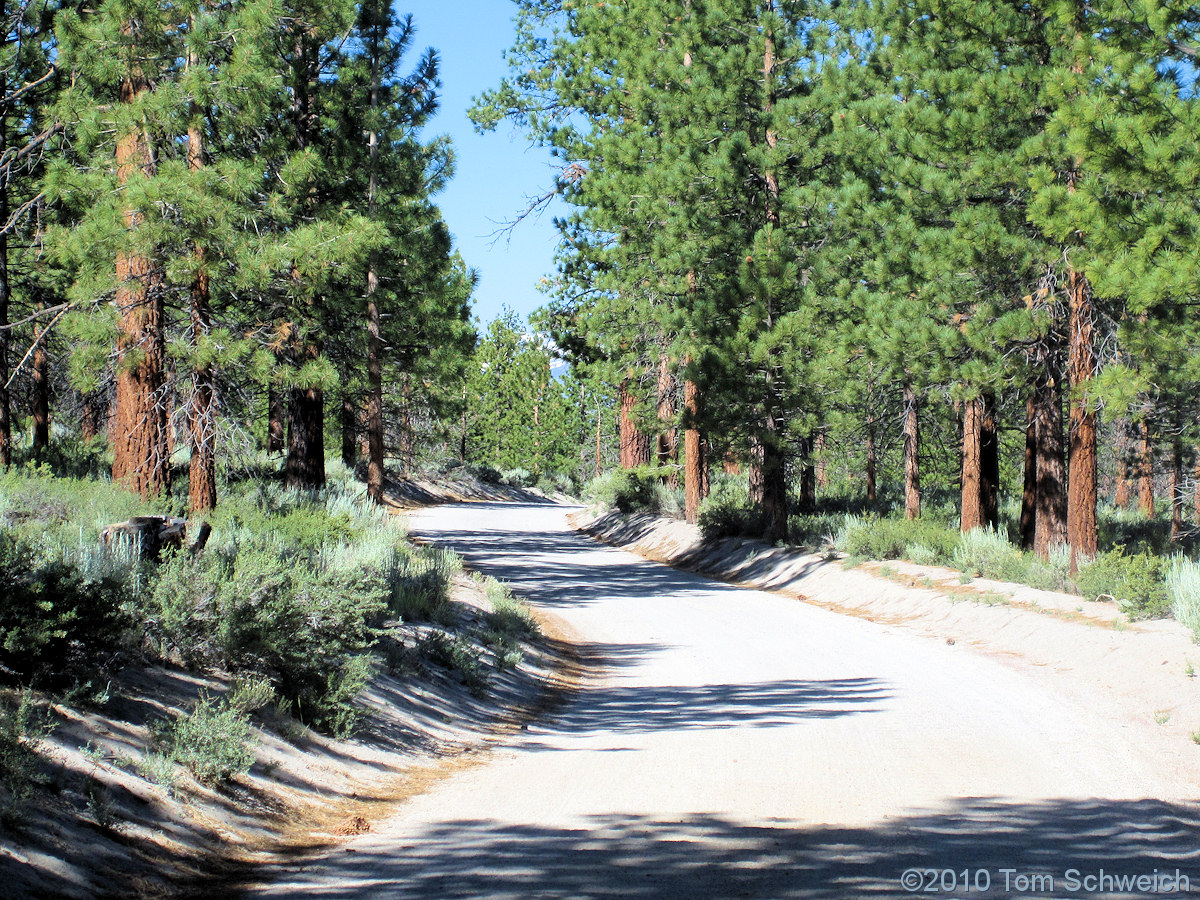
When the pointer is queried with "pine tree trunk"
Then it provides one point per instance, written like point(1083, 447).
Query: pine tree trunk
point(808, 475)
point(1081, 458)
point(872, 460)
point(462, 435)
point(202, 469)
point(822, 461)
point(348, 423)
point(1121, 496)
point(635, 444)
point(1146, 471)
point(971, 515)
point(276, 429)
point(666, 439)
point(375, 452)
point(1029, 491)
point(693, 452)
point(5, 294)
point(1050, 526)
point(375, 447)
point(599, 442)
point(92, 411)
point(40, 405)
point(408, 441)
point(768, 485)
point(1176, 492)
point(912, 446)
point(305, 465)
point(141, 459)
point(989, 468)
point(1196, 487)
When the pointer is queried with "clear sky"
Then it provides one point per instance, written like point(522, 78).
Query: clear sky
point(496, 173)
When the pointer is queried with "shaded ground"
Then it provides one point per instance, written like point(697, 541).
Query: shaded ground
point(102, 828)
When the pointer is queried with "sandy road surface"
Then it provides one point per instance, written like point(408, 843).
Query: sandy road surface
point(733, 743)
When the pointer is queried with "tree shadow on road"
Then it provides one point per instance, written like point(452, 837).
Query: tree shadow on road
point(640, 709)
point(706, 856)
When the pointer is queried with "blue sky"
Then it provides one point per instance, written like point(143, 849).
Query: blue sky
point(496, 173)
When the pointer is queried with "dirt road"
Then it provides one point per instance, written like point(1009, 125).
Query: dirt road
point(734, 743)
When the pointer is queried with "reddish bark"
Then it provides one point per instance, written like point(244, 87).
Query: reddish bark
point(635, 444)
point(666, 439)
point(5, 398)
point(1121, 494)
point(1176, 492)
point(202, 421)
point(141, 459)
point(1146, 471)
point(40, 405)
point(971, 515)
point(912, 466)
point(822, 451)
point(980, 464)
point(1029, 489)
point(872, 459)
point(276, 415)
point(1050, 527)
point(1196, 489)
point(91, 416)
point(693, 452)
point(1081, 455)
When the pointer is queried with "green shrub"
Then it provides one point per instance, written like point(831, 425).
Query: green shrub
point(518, 477)
point(158, 768)
point(213, 741)
point(555, 482)
point(1183, 587)
point(418, 582)
point(22, 727)
point(815, 529)
point(63, 613)
point(635, 490)
point(1136, 582)
point(457, 655)
point(508, 614)
point(985, 553)
point(727, 510)
point(868, 537)
point(483, 473)
point(249, 693)
point(330, 707)
point(1053, 574)
point(921, 554)
point(259, 611)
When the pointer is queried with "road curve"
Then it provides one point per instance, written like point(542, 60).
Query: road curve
point(735, 743)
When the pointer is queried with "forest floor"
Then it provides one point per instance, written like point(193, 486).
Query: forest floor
point(730, 741)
